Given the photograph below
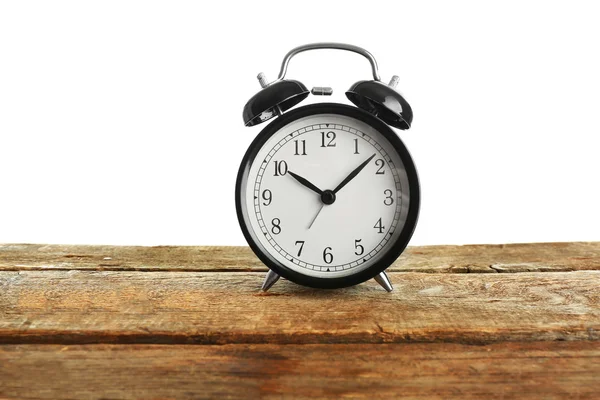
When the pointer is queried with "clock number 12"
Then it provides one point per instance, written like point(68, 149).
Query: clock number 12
point(329, 135)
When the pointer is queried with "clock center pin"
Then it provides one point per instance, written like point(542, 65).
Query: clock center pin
point(328, 197)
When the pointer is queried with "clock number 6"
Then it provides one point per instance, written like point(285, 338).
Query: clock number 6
point(358, 246)
point(327, 257)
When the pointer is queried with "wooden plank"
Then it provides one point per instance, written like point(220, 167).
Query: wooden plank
point(219, 308)
point(18, 257)
point(454, 259)
point(409, 371)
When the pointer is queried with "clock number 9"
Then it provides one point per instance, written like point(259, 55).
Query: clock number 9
point(276, 229)
point(327, 256)
point(267, 197)
point(389, 200)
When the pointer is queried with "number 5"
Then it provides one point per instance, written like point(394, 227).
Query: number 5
point(358, 246)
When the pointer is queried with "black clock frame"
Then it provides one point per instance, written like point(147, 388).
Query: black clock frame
point(396, 248)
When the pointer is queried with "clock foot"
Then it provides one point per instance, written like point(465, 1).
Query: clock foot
point(384, 281)
point(269, 281)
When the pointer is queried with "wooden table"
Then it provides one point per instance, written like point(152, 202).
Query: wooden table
point(466, 322)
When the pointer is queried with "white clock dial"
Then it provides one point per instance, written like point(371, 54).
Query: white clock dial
point(344, 230)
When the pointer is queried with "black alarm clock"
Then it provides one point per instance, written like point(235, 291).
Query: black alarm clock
point(327, 195)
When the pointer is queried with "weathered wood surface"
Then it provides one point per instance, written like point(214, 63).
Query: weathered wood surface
point(568, 370)
point(454, 259)
point(227, 307)
point(190, 322)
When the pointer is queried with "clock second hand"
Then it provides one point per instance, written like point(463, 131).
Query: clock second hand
point(315, 218)
point(305, 182)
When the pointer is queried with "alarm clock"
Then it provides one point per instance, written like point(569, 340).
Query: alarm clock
point(327, 195)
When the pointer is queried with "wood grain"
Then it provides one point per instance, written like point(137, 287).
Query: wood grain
point(389, 371)
point(227, 307)
point(538, 257)
point(190, 322)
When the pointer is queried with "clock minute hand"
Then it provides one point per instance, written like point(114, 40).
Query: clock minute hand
point(306, 183)
point(353, 174)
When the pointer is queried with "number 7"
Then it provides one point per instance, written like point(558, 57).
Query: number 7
point(301, 246)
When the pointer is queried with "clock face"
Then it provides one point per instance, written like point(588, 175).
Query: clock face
point(324, 196)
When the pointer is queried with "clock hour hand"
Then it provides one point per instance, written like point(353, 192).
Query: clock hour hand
point(353, 174)
point(306, 183)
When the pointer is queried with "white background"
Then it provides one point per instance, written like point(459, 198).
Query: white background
point(121, 121)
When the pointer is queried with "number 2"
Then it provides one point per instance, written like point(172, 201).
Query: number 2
point(380, 163)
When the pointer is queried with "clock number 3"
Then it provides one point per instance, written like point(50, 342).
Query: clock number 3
point(389, 200)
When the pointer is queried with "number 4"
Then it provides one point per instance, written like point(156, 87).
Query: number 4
point(379, 226)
